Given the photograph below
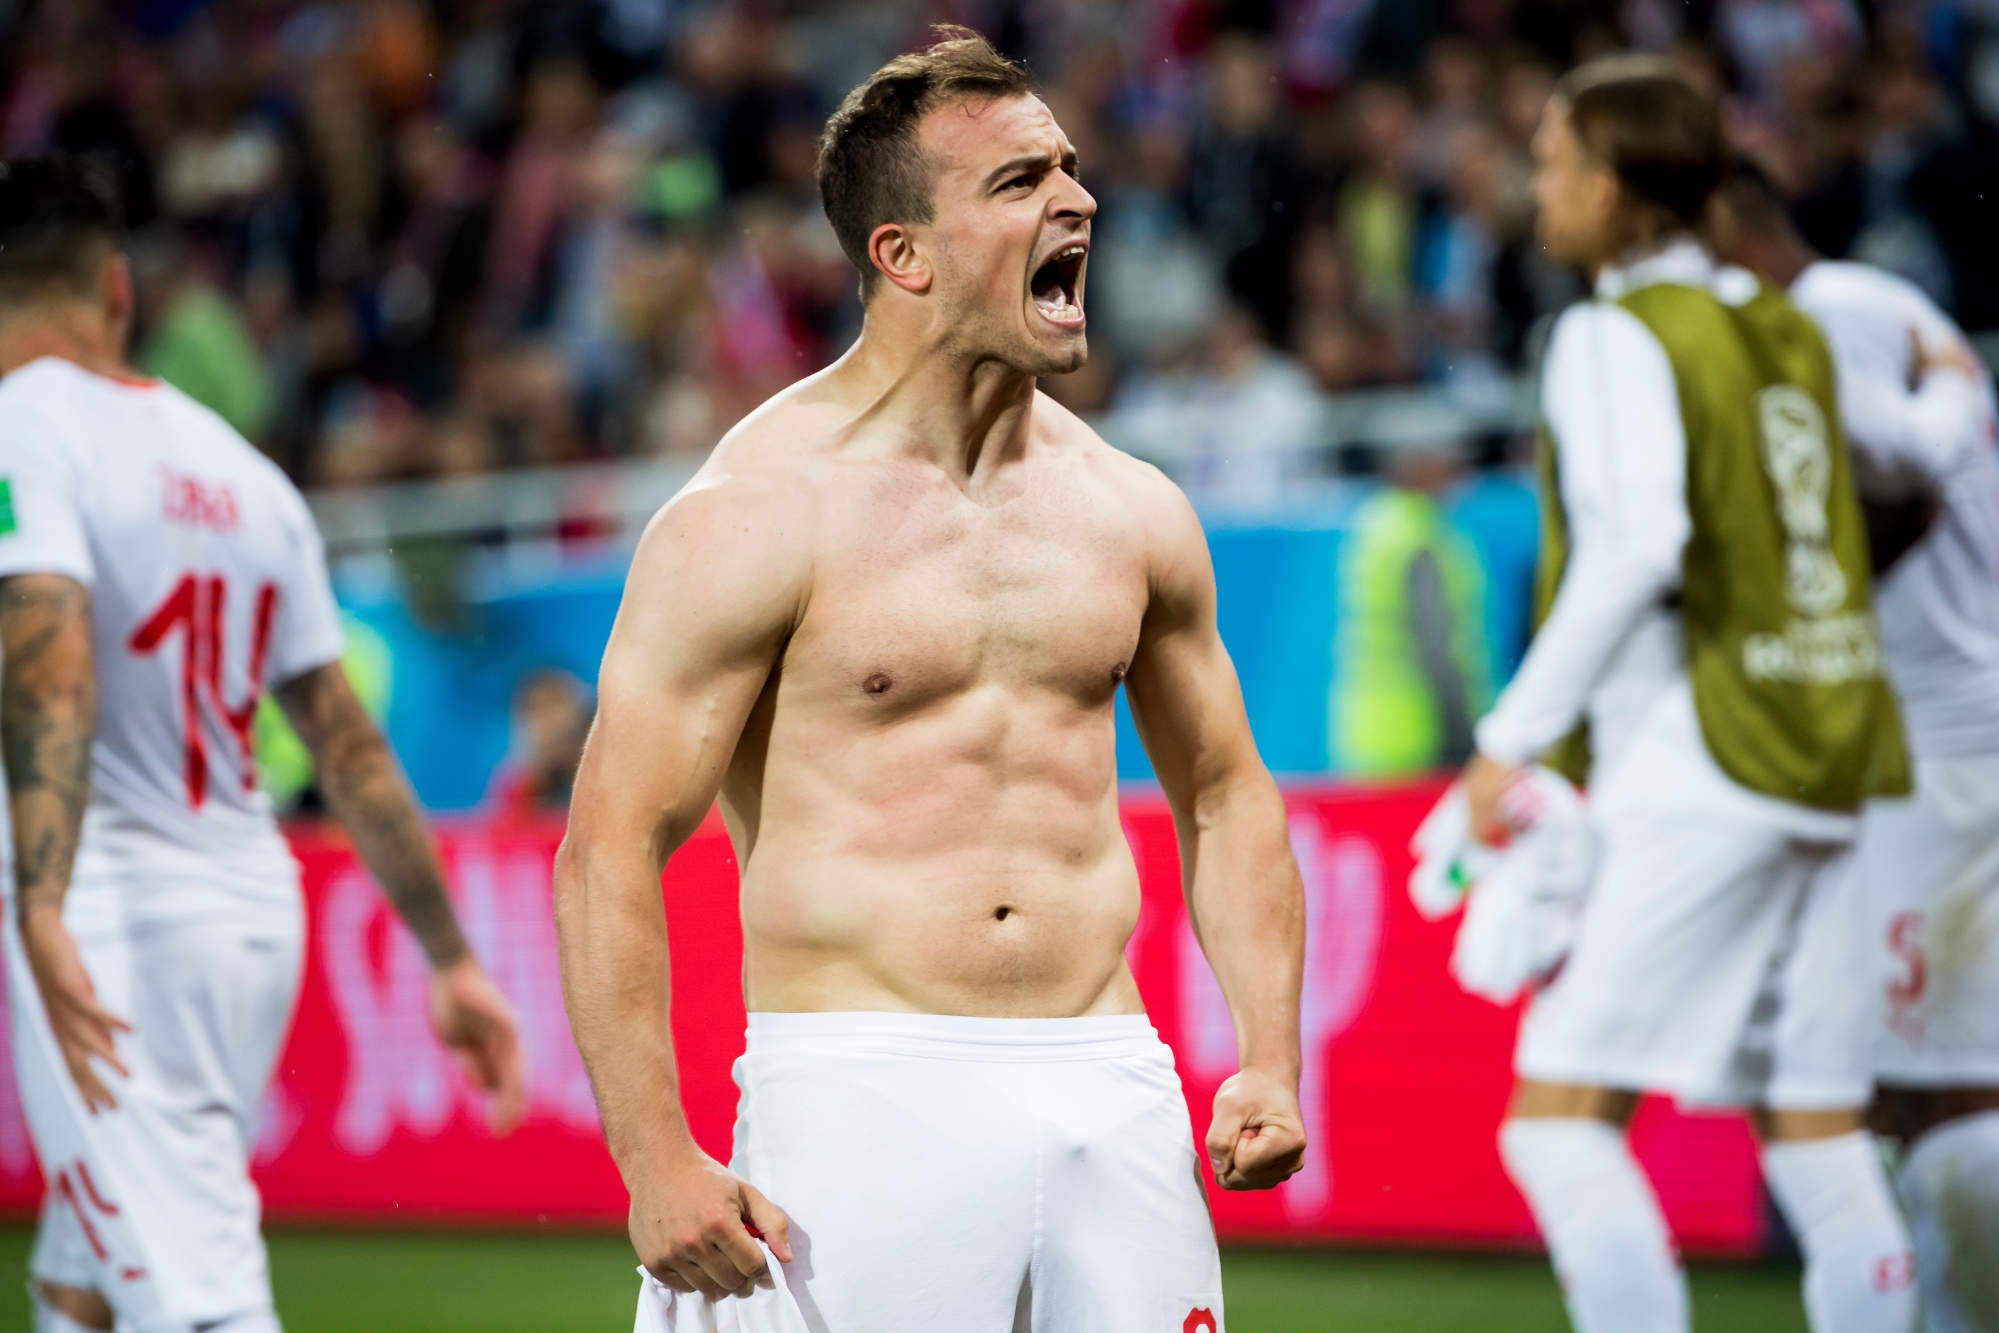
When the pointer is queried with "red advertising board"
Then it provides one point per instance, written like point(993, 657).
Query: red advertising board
point(1405, 1076)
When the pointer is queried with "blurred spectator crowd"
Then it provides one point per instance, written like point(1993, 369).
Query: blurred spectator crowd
point(402, 238)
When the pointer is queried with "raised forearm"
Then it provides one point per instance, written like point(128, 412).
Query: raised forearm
point(1248, 909)
point(48, 713)
point(366, 790)
point(617, 985)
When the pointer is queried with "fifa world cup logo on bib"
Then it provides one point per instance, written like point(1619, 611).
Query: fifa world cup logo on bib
point(1822, 644)
point(1799, 461)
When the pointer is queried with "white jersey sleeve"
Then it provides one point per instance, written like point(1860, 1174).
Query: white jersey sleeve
point(1611, 404)
point(1872, 323)
point(1939, 604)
point(307, 634)
point(41, 517)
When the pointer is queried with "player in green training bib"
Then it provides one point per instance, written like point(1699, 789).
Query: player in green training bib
point(1707, 613)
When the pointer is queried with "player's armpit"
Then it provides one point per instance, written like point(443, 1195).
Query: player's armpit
point(366, 789)
point(48, 714)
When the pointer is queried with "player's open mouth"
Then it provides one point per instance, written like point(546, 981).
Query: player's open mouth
point(1055, 283)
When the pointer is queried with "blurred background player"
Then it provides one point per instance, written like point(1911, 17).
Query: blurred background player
point(155, 573)
point(551, 720)
point(1918, 412)
point(1711, 621)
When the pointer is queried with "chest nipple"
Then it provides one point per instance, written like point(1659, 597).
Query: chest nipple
point(1118, 673)
point(878, 683)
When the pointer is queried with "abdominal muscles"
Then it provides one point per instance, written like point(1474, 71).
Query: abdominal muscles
point(968, 859)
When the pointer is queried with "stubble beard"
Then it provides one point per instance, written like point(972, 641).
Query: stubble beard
point(981, 333)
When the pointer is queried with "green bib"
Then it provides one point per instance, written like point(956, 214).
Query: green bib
point(1776, 602)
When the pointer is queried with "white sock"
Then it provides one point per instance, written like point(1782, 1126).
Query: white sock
point(1859, 1271)
point(1603, 1226)
point(1949, 1185)
point(48, 1319)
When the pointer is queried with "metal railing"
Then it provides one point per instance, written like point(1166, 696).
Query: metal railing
point(528, 505)
point(608, 501)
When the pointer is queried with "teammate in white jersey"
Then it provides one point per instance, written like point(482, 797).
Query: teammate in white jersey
point(156, 575)
point(1711, 624)
point(1919, 411)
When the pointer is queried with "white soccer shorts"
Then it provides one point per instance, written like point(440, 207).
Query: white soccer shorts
point(1723, 951)
point(151, 1203)
point(983, 1175)
point(1931, 866)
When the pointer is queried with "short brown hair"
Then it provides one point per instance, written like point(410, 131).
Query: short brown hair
point(870, 168)
point(1646, 119)
point(59, 218)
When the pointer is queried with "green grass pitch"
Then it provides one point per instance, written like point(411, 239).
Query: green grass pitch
point(427, 1282)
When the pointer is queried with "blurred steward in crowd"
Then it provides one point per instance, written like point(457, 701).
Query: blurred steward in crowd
point(551, 719)
point(1412, 669)
point(397, 238)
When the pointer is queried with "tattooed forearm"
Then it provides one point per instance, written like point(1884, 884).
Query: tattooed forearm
point(364, 787)
point(48, 714)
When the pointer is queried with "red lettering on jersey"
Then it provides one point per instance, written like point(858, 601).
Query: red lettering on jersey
point(90, 1188)
point(241, 719)
point(67, 1193)
point(1905, 993)
point(1200, 1319)
point(1895, 1272)
point(179, 611)
point(198, 503)
point(195, 608)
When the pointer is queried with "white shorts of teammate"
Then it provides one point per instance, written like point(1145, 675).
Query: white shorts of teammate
point(1931, 863)
point(978, 1174)
point(151, 1203)
point(1717, 955)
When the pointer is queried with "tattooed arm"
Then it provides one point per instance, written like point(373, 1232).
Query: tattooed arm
point(48, 714)
point(365, 788)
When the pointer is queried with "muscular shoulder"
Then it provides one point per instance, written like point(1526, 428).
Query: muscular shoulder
point(1163, 523)
point(732, 551)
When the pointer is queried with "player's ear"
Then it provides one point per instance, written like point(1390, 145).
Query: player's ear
point(114, 281)
point(896, 254)
point(1608, 195)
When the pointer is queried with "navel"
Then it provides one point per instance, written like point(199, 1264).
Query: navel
point(1002, 913)
point(878, 683)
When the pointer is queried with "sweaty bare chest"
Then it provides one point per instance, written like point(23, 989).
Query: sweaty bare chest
point(923, 600)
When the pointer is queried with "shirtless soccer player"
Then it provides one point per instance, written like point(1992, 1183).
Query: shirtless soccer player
point(886, 624)
point(1919, 411)
point(1711, 621)
point(155, 573)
